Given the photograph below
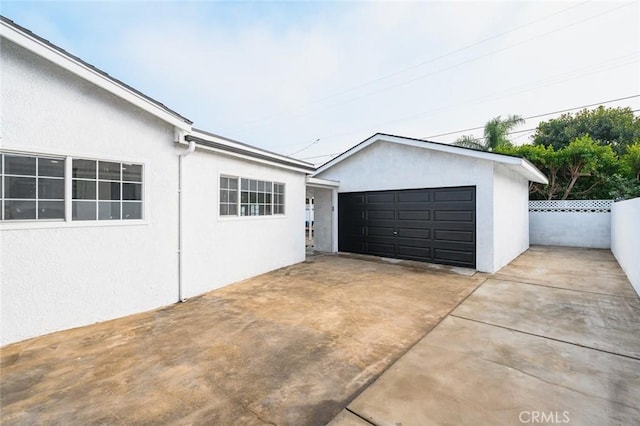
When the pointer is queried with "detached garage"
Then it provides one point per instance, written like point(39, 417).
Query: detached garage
point(411, 199)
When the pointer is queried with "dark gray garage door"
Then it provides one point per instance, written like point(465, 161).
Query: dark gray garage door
point(432, 225)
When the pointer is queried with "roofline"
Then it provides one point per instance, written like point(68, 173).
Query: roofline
point(229, 146)
point(26, 39)
point(322, 183)
point(530, 171)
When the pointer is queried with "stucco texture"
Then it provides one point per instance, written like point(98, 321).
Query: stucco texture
point(58, 275)
point(625, 238)
point(219, 250)
point(501, 207)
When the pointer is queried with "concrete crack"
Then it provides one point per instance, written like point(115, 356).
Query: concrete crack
point(257, 416)
point(557, 384)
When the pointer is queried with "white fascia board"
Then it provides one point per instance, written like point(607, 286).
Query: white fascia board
point(246, 158)
point(322, 183)
point(519, 165)
point(47, 52)
point(248, 148)
point(533, 173)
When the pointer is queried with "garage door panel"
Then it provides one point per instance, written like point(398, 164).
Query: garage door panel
point(414, 214)
point(380, 214)
point(414, 253)
point(418, 195)
point(432, 224)
point(460, 257)
point(454, 216)
point(377, 231)
point(381, 249)
point(448, 235)
point(453, 195)
point(380, 198)
point(424, 234)
point(356, 198)
point(414, 242)
point(412, 224)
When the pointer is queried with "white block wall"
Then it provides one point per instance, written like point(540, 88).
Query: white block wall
point(572, 223)
point(625, 238)
point(60, 275)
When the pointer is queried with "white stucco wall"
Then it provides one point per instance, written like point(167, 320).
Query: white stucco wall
point(60, 275)
point(625, 238)
point(389, 166)
point(219, 251)
point(323, 231)
point(571, 229)
point(511, 215)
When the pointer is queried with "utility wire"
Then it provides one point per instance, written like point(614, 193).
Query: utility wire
point(539, 115)
point(514, 132)
point(420, 77)
point(470, 102)
point(404, 70)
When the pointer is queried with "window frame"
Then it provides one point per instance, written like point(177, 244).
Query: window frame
point(37, 178)
point(98, 181)
point(68, 222)
point(239, 215)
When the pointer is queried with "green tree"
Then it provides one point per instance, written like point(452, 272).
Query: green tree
point(617, 127)
point(584, 158)
point(547, 161)
point(631, 160)
point(496, 133)
point(582, 170)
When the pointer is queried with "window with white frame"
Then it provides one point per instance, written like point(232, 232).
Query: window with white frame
point(228, 196)
point(32, 187)
point(106, 190)
point(256, 197)
point(278, 198)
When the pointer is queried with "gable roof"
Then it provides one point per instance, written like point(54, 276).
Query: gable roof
point(213, 142)
point(44, 48)
point(519, 165)
point(21, 36)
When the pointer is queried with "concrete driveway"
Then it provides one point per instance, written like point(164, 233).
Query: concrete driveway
point(553, 338)
point(291, 347)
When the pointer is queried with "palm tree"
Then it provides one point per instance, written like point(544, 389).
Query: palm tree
point(495, 134)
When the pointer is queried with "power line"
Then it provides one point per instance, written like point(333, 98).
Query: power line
point(307, 146)
point(422, 76)
point(403, 70)
point(539, 115)
point(478, 100)
point(514, 132)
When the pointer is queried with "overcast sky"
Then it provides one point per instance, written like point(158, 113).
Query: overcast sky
point(281, 75)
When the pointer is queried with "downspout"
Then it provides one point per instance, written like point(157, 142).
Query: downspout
point(192, 147)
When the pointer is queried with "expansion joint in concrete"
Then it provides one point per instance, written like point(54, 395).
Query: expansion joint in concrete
point(545, 337)
point(360, 417)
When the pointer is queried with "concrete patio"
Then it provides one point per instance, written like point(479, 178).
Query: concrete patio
point(552, 338)
point(556, 331)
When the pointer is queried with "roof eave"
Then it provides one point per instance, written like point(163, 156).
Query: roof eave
point(27, 40)
point(520, 165)
point(254, 154)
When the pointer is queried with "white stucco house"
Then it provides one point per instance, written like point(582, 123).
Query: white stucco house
point(407, 198)
point(114, 204)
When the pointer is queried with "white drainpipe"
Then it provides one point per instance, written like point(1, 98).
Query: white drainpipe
point(192, 147)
